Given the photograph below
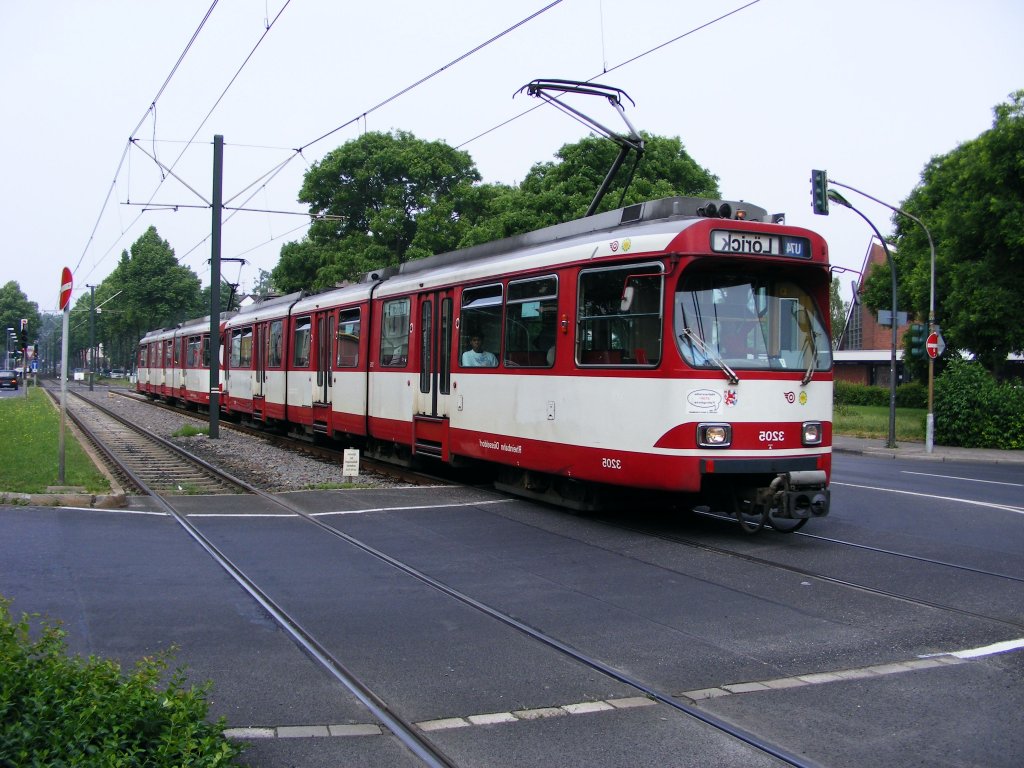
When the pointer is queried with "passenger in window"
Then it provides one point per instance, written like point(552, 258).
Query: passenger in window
point(476, 356)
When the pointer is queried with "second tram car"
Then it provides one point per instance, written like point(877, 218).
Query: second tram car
point(677, 345)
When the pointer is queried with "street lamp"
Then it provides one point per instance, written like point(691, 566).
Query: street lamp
point(929, 440)
point(838, 198)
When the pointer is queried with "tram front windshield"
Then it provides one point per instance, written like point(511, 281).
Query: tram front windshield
point(749, 323)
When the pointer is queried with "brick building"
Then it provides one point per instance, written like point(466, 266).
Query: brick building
point(863, 355)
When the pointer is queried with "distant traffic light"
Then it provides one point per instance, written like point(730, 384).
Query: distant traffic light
point(23, 336)
point(918, 338)
point(819, 192)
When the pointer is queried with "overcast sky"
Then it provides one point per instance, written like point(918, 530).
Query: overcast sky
point(869, 90)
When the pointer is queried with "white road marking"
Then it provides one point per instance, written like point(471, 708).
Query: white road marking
point(975, 502)
point(965, 479)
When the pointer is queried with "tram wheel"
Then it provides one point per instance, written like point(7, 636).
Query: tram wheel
point(747, 513)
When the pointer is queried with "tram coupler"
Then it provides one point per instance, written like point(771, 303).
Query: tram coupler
point(799, 495)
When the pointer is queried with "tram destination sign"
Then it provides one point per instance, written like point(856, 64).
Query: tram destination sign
point(759, 244)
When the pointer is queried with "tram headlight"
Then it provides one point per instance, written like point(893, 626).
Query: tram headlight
point(811, 433)
point(714, 435)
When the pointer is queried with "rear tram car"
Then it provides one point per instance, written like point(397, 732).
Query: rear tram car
point(676, 346)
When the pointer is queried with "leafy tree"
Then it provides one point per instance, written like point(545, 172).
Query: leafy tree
point(972, 201)
point(372, 192)
point(554, 192)
point(388, 198)
point(14, 305)
point(148, 289)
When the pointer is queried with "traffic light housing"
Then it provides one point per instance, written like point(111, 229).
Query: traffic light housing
point(918, 339)
point(819, 192)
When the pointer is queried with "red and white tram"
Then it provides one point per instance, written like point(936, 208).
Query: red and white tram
point(676, 345)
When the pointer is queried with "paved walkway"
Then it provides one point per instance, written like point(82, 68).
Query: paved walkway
point(910, 450)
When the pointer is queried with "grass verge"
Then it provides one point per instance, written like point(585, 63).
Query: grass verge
point(29, 428)
point(873, 421)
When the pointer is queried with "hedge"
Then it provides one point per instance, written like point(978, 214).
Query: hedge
point(910, 395)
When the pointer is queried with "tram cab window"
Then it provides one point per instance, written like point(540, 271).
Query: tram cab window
point(348, 338)
point(619, 315)
point(394, 334)
point(749, 323)
point(480, 318)
point(531, 322)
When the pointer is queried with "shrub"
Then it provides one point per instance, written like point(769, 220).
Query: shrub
point(61, 710)
point(975, 411)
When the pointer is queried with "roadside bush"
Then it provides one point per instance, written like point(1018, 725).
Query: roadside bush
point(973, 410)
point(60, 710)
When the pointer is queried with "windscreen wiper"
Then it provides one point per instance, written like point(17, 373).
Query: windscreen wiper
point(713, 357)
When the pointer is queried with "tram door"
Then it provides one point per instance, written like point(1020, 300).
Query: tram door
point(435, 355)
point(324, 329)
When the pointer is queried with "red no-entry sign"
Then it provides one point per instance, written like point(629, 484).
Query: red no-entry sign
point(65, 288)
point(934, 345)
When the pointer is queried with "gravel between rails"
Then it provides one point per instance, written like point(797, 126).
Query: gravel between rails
point(256, 461)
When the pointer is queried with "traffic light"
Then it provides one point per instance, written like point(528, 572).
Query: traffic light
point(918, 338)
point(23, 339)
point(819, 192)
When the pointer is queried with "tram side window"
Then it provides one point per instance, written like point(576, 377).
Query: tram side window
point(619, 315)
point(348, 338)
point(193, 352)
point(301, 340)
point(480, 326)
point(394, 334)
point(531, 322)
point(274, 338)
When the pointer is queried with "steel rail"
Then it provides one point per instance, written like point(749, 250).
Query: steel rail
point(705, 717)
point(404, 731)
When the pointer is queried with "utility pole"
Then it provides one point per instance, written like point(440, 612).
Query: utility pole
point(218, 185)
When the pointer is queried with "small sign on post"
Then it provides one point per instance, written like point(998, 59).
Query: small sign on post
point(350, 463)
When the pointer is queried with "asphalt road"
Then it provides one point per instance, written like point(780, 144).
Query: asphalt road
point(887, 634)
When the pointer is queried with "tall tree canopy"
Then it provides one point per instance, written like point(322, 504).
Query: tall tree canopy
point(375, 193)
point(398, 198)
point(148, 289)
point(972, 201)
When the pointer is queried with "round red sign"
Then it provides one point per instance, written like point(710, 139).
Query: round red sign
point(65, 288)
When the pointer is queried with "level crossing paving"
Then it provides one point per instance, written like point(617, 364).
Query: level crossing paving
point(128, 583)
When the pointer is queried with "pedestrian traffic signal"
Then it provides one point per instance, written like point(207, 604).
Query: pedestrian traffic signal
point(918, 338)
point(819, 192)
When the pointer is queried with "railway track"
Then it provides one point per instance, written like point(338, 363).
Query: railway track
point(145, 462)
point(139, 460)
